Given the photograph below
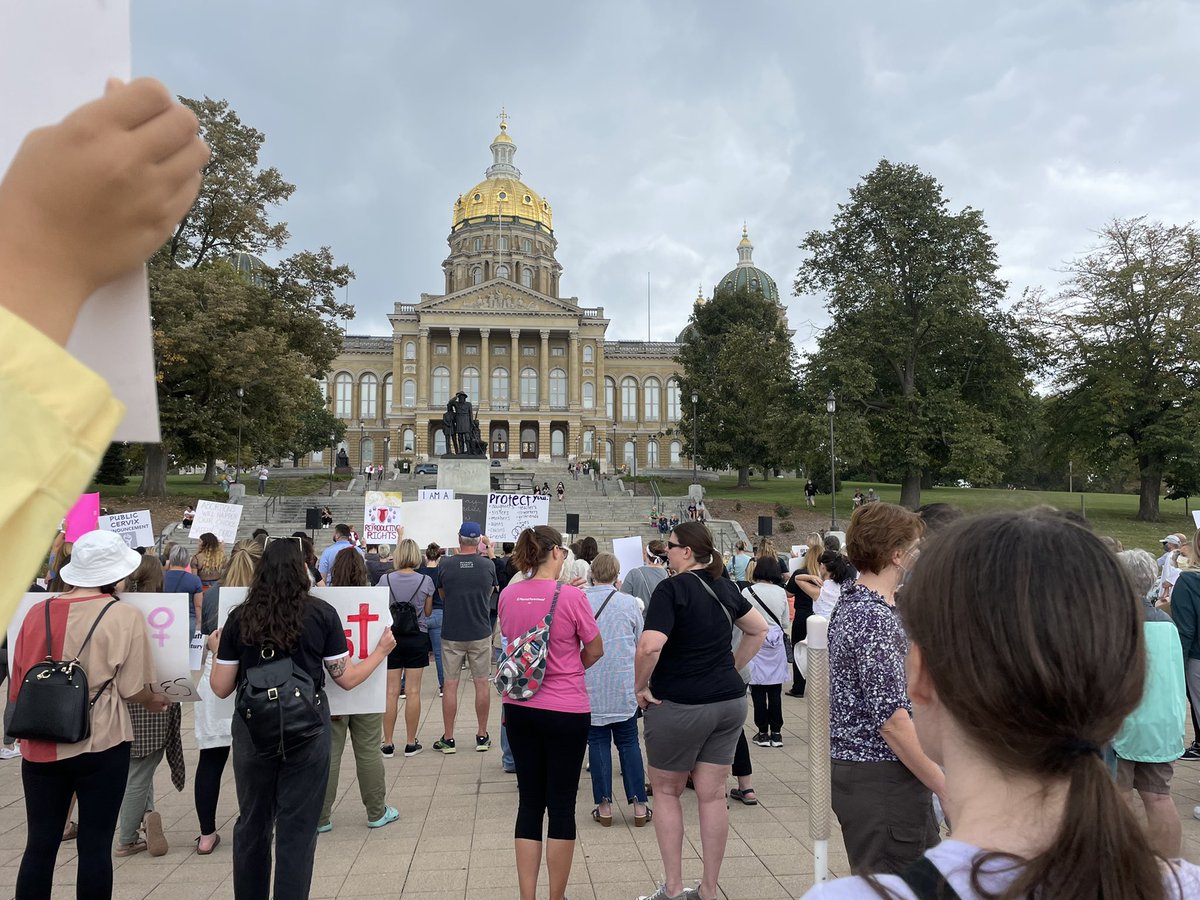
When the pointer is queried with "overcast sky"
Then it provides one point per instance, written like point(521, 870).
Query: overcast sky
point(654, 129)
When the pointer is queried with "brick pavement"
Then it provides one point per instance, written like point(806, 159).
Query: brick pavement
point(454, 837)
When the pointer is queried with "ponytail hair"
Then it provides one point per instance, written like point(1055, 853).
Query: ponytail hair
point(534, 546)
point(698, 538)
point(1039, 678)
point(836, 565)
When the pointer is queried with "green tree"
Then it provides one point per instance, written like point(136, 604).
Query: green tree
point(223, 320)
point(738, 357)
point(114, 467)
point(929, 373)
point(1126, 336)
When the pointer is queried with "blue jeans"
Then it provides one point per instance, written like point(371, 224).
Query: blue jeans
point(434, 624)
point(625, 736)
point(506, 757)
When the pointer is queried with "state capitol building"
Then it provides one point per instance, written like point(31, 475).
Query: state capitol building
point(545, 383)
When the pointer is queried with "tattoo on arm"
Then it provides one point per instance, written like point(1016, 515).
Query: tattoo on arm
point(336, 667)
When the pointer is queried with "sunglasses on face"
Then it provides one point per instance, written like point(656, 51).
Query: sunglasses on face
point(671, 545)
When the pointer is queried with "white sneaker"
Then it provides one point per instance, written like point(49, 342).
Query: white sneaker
point(1196, 812)
point(13, 752)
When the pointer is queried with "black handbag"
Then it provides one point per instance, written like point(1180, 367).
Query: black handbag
point(53, 703)
point(280, 704)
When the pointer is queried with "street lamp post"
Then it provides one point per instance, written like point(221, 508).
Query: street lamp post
point(831, 408)
point(695, 400)
point(387, 455)
point(237, 470)
point(633, 440)
point(332, 438)
point(362, 437)
point(612, 453)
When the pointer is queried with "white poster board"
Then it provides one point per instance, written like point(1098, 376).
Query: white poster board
point(510, 514)
point(135, 527)
point(381, 516)
point(1196, 517)
point(628, 551)
point(435, 494)
point(166, 620)
point(220, 518)
point(55, 56)
point(364, 613)
point(433, 521)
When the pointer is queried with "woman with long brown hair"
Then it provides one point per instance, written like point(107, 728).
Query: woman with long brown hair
point(283, 794)
point(209, 561)
point(1027, 654)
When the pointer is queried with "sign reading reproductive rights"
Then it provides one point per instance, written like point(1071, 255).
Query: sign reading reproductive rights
point(220, 518)
point(510, 514)
point(364, 614)
point(134, 527)
point(166, 620)
point(382, 516)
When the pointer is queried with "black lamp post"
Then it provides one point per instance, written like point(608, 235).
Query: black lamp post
point(332, 438)
point(362, 437)
point(237, 471)
point(633, 456)
point(831, 408)
point(387, 455)
point(695, 400)
point(612, 456)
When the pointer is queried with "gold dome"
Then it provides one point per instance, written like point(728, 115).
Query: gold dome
point(508, 197)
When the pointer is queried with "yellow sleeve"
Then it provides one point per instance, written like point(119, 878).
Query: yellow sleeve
point(56, 419)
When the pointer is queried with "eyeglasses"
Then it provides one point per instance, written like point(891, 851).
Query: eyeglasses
point(671, 545)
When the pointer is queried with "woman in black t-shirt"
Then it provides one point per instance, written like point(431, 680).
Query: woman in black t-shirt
point(284, 793)
point(687, 682)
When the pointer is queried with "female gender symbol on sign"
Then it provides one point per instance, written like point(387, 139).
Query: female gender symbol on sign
point(168, 618)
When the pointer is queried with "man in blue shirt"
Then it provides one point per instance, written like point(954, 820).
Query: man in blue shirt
point(341, 540)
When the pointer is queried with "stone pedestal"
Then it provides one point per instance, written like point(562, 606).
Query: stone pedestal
point(237, 492)
point(695, 491)
point(464, 476)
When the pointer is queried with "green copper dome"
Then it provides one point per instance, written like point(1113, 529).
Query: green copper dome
point(747, 275)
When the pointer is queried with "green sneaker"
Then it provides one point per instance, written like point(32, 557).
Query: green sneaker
point(445, 744)
point(483, 742)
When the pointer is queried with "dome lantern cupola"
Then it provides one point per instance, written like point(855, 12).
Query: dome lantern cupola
point(747, 275)
point(503, 149)
point(502, 196)
point(745, 249)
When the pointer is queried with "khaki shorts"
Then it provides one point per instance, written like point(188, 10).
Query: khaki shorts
point(1144, 777)
point(478, 655)
point(679, 735)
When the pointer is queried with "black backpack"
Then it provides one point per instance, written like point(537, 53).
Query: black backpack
point(280, 704)
point(405, 621)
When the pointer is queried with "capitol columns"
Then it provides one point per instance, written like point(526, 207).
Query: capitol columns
point(544, 373)
point(514, 370)
point(423, 368)
point(485, 369)
point(575, 390)
point(455, 371)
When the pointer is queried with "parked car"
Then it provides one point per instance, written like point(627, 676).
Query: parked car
point(427, 468)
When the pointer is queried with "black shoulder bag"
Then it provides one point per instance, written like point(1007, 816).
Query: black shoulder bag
point(53, 702)
point(280, 704)
point(605, 603)
point(927, 882)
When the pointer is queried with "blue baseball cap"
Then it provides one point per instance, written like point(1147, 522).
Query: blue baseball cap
point(470, 530)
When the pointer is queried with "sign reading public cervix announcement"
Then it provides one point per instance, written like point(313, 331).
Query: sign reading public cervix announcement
point(510, 514)
point(134, 528)
point(364, 613)
point(166, 621)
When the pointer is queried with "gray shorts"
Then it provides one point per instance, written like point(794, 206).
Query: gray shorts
point(679, 735)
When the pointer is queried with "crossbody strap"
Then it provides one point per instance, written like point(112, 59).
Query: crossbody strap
point(763, 606)
point(414, 593)
point(713, 594)
point(927, 882)
point(107, 606)
point(605, 603)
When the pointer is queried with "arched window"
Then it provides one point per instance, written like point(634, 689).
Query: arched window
point(672, 400)
point(529, 387)
point(410, 350)
point(630, 453)
point(527, 246)
point(589, 444)
point(652, 454)
point(608, 452)
point(589, 354)
point(558, 388)
point(477, 275)
point(503, 243)
point(610, 399)
point(501, 271)
point(367, 386)
point(651, 390)
point(470, 383)
point(500, 384)
point(527, 277)
point(410, 393)
point(478, 244)
point(388, 394)
point(589, 395)
point(676, 452)
point(629, 406)
point(439, 442)
point(343, 396)
point(558, 443)
point(408, 440)
point(441, 386)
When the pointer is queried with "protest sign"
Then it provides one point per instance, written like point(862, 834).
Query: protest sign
point(510, 514)
point(56, 57)
point(1196, 517)
point(167, 621)
point(220, 518)
point(364, 613)
point(134, 527)
point(433, 521)
point(83, 517)
point(628, 551)
point(435, 494)
point(381, 516)
point(474, 507)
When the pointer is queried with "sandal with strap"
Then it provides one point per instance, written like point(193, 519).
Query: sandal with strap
point(747, 796)
point(640, 821)
point(606, 821)
point(130, 849)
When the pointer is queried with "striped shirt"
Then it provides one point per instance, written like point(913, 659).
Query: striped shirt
point(610, 681)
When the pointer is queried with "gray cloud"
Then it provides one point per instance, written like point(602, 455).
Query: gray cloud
point(656, 128)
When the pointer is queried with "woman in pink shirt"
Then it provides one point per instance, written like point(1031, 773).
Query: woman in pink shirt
point(548, 732)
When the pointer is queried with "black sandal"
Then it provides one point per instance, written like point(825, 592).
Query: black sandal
point(747, 796)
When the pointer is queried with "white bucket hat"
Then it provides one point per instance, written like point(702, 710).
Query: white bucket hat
point(99, 558)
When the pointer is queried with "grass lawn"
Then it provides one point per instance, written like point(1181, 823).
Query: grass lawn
point(1111, 514)
point(189, 487)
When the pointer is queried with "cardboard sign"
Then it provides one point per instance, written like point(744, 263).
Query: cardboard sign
point(628, 551)
point(55, 57)
point(433, 521)
point(167, 622)
point(510, 514)
point(364, 613)
point(134, 527)
point(381, 516)
point(220, 518)
point(83, 517)
point(435, 494)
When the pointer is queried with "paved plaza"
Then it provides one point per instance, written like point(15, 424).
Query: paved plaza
point(454, 837)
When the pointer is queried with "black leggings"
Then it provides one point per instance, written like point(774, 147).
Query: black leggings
point(768, 707)
point(742, 768)
point(99, 781)
point(547, 748)
point(208, 786)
